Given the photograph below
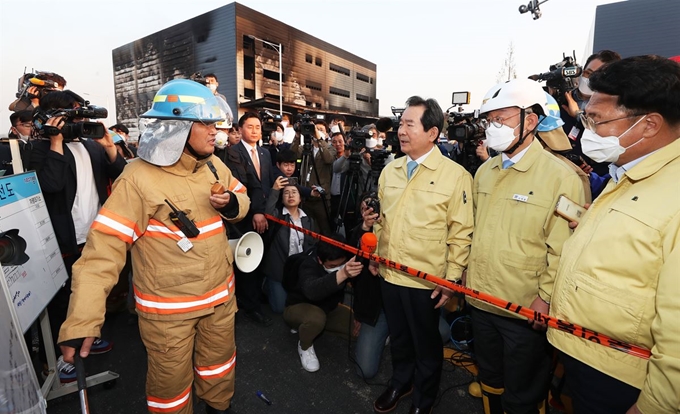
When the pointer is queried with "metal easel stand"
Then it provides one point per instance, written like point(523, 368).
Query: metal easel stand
point(53, 388)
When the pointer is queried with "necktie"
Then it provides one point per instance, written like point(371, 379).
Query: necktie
point(410, 167)
point(507, 164)
point(256, 162)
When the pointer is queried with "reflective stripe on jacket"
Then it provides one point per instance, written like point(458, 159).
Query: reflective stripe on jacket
point(169, 283)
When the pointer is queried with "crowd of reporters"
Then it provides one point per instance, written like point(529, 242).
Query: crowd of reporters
point(317, 175)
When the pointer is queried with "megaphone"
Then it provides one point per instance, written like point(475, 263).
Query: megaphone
point(248, 251)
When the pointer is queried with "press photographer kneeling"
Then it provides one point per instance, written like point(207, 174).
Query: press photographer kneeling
point(315, 294)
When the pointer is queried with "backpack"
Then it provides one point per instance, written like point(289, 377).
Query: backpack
point(291, 269)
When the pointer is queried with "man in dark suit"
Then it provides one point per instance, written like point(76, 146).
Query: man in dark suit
point(258, 161)
point(74, 176)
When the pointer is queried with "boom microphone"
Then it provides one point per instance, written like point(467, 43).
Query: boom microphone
point(383, 124)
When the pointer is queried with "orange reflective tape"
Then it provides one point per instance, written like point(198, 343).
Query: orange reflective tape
point(177, 305)
point(236, 187)
point(216, 371)
point(162, 405)
point(113, 224)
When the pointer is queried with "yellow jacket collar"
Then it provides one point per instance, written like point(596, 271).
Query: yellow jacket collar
point(527, 160)
point(652, 164)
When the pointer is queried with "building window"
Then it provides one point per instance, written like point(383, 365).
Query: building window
point(249, 93)
point(274, 48)
point(248, 43)
point(371, 81)
point(339, 69)
point(248, 68)
point(318, 62)
point(338, 91)
point(270, 74)
point(363, 98)
point(362, 77)
point(308, 58)
point(313, 85)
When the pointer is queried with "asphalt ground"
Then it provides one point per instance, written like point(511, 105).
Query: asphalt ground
point(267, 361)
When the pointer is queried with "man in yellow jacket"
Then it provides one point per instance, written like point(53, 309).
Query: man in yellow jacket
point(516, 247)
point(426, 223)
point(619, 271)
point(168, 210)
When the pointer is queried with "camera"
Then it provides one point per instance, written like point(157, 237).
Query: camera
point(390, 126)
point(269, 122)
point(305, 124)
point(28, 80)
point(466, 128)
point(561, 78)
point(358, 139)
point(372, 201)
point(71, 130)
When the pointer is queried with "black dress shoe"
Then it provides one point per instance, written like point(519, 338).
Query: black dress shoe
point(259, 317)
point(415, 410)
point(389, 399)
point(210, 410)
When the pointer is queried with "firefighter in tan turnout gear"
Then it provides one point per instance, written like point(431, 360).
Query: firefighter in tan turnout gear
point(163, 210)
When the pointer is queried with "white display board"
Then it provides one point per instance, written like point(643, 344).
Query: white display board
point(33, 283)
point(19, 390)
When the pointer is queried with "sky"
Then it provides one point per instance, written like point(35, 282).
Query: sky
point(430, 48)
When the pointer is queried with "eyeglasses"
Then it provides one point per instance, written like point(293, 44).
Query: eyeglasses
point(496, 121)
point(589, 123)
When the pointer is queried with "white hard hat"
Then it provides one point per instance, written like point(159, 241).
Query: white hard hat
point(522, 93)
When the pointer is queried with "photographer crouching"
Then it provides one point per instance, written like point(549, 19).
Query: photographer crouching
point(75, 161)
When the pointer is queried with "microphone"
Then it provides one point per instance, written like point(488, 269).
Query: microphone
point(368, 244)
point(383, 124)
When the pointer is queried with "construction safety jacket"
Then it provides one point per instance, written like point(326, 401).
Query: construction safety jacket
point(175, 278)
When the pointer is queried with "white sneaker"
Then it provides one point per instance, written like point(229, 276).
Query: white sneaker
point(308, 359)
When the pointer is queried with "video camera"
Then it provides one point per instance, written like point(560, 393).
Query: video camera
point(305, 124)
point(390, 126)
point(465, 128)
point(561, 78)
point(71, 130)
point(269, 122)
point(358, 139)
point(25, 82)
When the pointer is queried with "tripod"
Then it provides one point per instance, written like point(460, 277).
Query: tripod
point(306, 167)
point(350, 190)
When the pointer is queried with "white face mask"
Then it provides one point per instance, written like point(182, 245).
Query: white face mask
point(278, 135)
point(499, 139)
point(605, 149)
point(285, 124)
point(584, 86)
point(212, 87)
point(221, 139)
point(334, 129)
point(371, 143)
point(335, 269)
